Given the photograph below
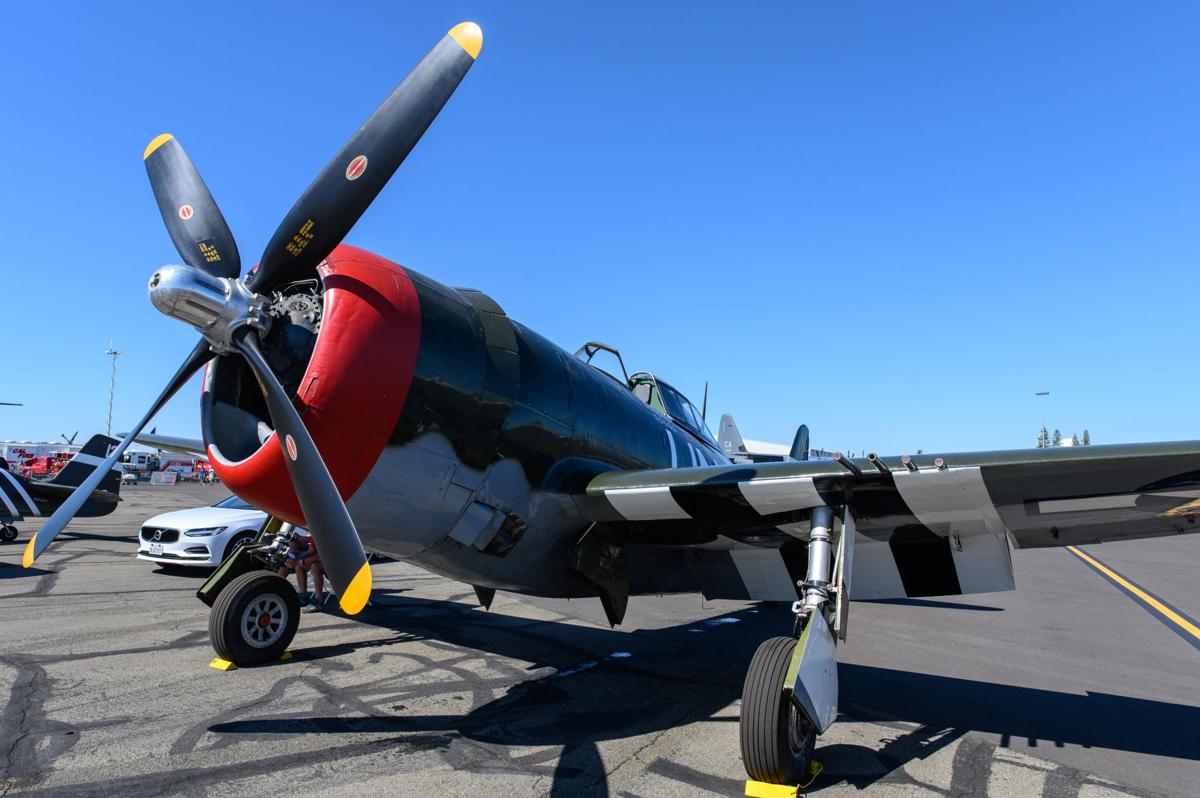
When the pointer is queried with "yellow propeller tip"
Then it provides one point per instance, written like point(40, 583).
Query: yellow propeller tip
point(469, 36)
point(27, 557)
point(155, 143)
point(354, 597)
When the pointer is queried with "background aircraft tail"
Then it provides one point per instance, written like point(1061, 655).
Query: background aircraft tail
point(729, 438)
point(86, 460)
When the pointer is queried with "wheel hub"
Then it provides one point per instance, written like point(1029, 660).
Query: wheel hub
point(264, 620)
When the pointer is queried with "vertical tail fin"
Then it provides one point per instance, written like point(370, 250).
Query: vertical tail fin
point(86, 460)
point(800, 444)
point(729, 438)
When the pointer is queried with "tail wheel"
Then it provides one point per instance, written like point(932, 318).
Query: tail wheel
point(254, 618)
point(777, 736)
point(8, 533)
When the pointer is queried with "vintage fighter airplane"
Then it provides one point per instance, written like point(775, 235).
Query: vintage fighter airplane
point(377, 406)
point(22, 498)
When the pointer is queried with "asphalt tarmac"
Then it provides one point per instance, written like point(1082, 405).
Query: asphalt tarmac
point(1066, 687)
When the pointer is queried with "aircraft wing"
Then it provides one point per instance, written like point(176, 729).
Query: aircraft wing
point(936, 525)
point(190, 446)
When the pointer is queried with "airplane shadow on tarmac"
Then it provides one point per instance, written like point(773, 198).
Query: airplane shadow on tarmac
point(611, 685)
point(15, 571)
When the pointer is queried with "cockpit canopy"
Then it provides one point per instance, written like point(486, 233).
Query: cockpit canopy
point(670, 402)
point(653, 391)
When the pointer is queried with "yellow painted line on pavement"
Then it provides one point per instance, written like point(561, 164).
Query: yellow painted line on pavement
point(1183, 624)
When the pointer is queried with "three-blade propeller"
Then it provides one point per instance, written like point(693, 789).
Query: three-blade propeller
point(228, 311)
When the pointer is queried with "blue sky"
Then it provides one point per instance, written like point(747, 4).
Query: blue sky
point(894, 222)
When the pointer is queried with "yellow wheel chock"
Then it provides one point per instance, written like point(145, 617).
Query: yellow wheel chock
point(760, 789)
point(225, 665)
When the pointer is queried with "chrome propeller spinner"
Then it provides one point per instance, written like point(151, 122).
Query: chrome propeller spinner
point(218, 307)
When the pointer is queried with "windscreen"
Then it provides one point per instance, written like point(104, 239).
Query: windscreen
point(683, 411)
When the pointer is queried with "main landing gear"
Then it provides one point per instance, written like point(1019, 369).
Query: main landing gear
point(777, 736)
point(254, 618)
point(790, 693)
point(8, 533)
point(255, 612)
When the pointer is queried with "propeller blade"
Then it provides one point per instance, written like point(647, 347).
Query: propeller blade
point(328, 521)
point(66, 511)
point(192, 217)
point(340, 194)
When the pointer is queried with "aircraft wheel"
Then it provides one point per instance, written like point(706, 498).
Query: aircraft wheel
point(254, 618)
point(8, 533)
point(777, 737)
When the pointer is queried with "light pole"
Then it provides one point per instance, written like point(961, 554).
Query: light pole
point(1042, 395)
point(112, 386)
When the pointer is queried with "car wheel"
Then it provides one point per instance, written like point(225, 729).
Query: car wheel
point(254, 618)
point(238, 540)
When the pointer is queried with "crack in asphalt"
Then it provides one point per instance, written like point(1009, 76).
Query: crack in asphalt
point(165, 782)
point(24, 721)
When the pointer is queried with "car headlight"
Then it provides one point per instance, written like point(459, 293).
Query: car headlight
point(204, 533)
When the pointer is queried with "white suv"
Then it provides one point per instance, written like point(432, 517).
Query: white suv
point(200, 536)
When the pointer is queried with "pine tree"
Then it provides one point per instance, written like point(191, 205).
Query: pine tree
point(1087, 439)
point(1043, 439)
point(1057, 439)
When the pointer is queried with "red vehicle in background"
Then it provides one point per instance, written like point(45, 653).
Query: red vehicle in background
point(45, 467)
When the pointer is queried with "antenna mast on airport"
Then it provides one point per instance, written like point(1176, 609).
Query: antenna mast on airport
point(1043, 438)
point(112, 385)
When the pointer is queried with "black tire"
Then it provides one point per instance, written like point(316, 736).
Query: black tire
point(238, 540)
point(777, 737)
point(236, 626)
point(8, 533)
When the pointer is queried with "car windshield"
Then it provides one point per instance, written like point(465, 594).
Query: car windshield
point(233, 503)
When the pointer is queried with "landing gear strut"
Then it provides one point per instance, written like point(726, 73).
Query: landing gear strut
point(790, 694)
point(8, 533)
point(255, 612)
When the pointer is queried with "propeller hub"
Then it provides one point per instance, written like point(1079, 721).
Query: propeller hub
point(216, 306)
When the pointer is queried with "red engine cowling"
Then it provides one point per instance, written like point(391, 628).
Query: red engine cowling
point(349, 398)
